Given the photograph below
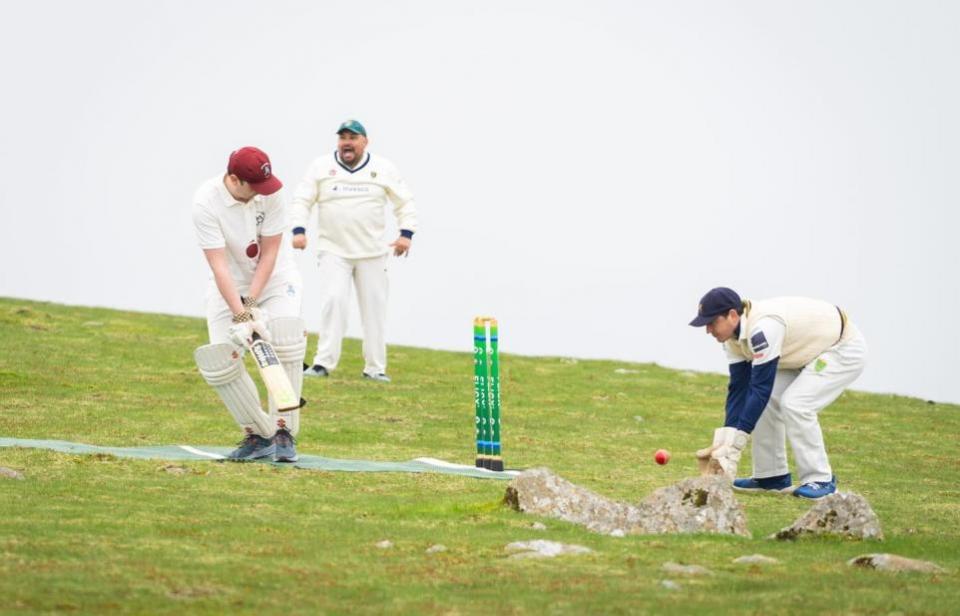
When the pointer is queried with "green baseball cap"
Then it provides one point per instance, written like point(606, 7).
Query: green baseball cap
point(353, 126)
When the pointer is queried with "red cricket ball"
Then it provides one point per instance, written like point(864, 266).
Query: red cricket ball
point(662, 456)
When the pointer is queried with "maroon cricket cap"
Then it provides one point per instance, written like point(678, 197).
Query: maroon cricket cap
point(252, 165)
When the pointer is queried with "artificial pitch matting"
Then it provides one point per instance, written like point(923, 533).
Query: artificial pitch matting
point(207, 453)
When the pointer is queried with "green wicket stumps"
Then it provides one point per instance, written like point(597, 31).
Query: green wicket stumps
point(486, 392)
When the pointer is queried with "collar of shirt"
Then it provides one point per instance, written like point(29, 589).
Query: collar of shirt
point(366, 159)
point(227, 199)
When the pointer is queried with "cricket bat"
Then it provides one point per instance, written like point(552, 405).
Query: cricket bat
point(273, 375)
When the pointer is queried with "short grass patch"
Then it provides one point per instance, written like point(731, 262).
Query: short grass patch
point(97, 534)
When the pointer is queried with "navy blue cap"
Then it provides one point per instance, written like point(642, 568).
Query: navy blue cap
point(716, 302)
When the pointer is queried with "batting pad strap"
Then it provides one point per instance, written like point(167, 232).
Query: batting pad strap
point(221, 365)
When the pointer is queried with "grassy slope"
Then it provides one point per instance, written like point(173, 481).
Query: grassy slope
point(100, 534)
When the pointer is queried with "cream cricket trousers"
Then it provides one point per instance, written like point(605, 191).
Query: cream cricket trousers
point(369, 277)
point(792, 414)
point(280, 298)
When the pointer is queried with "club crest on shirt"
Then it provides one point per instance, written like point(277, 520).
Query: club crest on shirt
point(373, 174)
point(758, 342)
point(333, 172)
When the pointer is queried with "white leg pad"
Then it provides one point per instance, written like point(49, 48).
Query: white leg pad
point(290, 343)
point(221, 366)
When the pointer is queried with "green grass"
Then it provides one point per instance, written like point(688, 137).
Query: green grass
point(96, 534)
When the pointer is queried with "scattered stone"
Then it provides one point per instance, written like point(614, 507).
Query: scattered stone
point(638, 418)
point(618, 532)
point(678, 569)
point(626, 371)
point(670, 585)
point(175, 469)
point(386, 544)
point(568, 360)
point(538, 526)
point(698, 505)
point(894, 563)
point(842, 513)
point(688, 374)
point(433, 549)
point(756, 559)
point(9, 473)
point(541, 548)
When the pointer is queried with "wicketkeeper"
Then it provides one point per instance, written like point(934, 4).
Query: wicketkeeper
point(790, 357)
point(255, 287)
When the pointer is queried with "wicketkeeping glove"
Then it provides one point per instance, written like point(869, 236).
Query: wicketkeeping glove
point(726, 457)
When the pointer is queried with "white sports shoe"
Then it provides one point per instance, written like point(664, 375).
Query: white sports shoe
point(315, 370)
point(381, 378)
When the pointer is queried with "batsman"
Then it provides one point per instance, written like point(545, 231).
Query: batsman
point(254, 293)
point(790, 357)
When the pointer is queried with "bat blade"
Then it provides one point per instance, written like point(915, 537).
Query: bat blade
point(274, 376)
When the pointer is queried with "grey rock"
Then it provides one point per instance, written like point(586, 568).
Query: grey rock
point(670, 585)
point(9, 473)
point(538, 526)
point(433, 549)
point(626, 371)
point(678, 569)
point(756, 559)
point(698, 505)
point(541, 548)
point(618, 532)
point(842, 513)
point(386, 544)
point(894, 563)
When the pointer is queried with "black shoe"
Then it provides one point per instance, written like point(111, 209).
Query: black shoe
point(285, 449)
point(315, 370)
point(252, 447)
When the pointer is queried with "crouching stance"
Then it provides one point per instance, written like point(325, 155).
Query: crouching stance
point(255, 291)
point(790, 357)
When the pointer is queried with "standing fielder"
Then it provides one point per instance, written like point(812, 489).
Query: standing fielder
point(790, 357)
point(239, 222)
point(350, 188)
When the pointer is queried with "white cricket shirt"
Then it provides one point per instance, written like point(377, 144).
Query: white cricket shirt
point(351, 204)
point(223, 222)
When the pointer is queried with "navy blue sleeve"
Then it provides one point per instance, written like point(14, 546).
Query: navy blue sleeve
point(737, 392)
point(407, 233)
point(299, 230)
point(761, 385)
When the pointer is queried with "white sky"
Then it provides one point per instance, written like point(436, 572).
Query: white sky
point(583, 171)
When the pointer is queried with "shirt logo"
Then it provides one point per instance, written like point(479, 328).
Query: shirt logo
point(759, 342)
point(333, 172)
point(373, 174)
